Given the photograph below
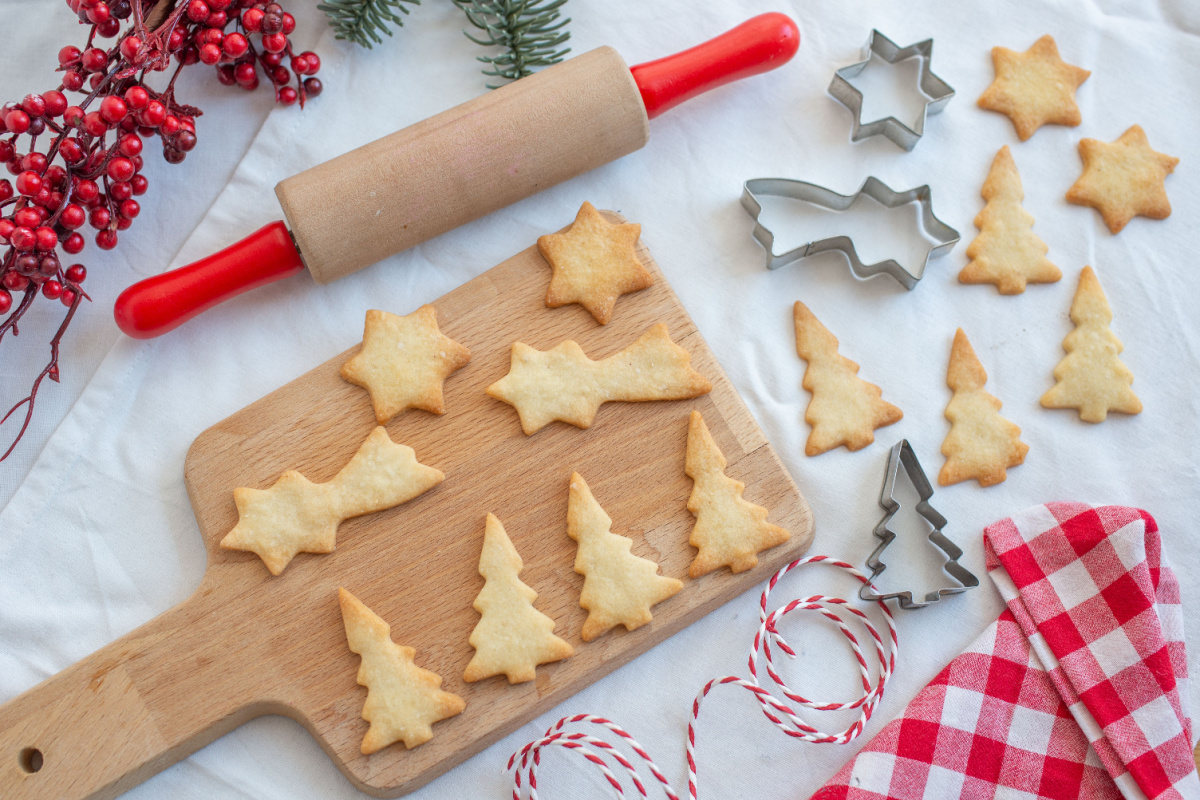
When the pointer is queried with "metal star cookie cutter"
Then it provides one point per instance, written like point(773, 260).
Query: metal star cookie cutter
point(903, 455)
point(934, 88)
point(945, 236)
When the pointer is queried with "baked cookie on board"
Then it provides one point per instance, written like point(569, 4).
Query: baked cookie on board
point(403, 700)
point(729, 531)
point(404, 361)
point(594, 262)
point(564, 384)
point(512, 637)
point(298, 516)
point(619, 588)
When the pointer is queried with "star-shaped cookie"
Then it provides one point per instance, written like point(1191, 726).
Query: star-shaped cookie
point(404, 361)
point(1034, 88)
point(594, 262)
point(1124, 179)
point(294, 516)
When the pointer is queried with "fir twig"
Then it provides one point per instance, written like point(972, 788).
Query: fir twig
point(530, 31)
point(361, 21)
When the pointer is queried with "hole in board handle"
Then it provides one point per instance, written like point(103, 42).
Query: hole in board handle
point(31, 760)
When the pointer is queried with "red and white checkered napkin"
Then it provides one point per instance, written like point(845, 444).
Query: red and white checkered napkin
point(1078, 690)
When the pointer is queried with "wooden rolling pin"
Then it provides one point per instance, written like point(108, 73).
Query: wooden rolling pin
point(456, 167)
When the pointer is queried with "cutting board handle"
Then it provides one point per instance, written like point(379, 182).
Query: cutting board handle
point(124, 713)
point(759, 44)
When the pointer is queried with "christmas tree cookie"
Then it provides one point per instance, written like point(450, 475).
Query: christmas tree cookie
point(619, 588)
point(981, 444)
point(404, 361)
point(1091, 377)
point(1124, 179)
point(1034, 88)
point(298, 516)
point(512, 637)
point(594, 262)
point(403, 700)
point(1006, 253)
point(845, 409)
point(729, 531)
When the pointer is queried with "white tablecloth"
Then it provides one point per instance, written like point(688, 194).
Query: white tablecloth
point(98, 535)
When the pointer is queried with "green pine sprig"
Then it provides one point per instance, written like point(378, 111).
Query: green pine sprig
point(361, 21)
point(530, 32)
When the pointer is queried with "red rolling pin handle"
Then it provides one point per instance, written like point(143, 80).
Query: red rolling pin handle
point(161, 303)
point(156, 305)
point(757, 45)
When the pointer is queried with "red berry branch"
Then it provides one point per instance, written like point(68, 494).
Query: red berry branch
point(88, 168)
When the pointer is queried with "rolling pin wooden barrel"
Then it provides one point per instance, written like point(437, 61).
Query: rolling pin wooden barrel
point(456, 167)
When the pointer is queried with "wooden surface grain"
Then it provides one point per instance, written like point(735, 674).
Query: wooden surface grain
point(247, 644)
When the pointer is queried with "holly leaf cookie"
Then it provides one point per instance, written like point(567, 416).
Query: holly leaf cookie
point(1123, 179)
point(1034, 88)
point(403, 700)
point(403, 362)
point(730, 531)
point(298, 516)
point(594, 262)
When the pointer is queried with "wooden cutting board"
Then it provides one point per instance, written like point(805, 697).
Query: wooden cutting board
point(247, 644)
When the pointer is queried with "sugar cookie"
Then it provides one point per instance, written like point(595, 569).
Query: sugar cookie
point(981, 444)
point(564, 384)
point(619, 588)
point(403, 700)
point(844, 409)
point(298, 516)
point(404, 361)
point(594, 262)
point(1124, 179)
point(512, 637)
point(1034, 88)
point(729, 530)
point(1091, 377)
point(1006, 252)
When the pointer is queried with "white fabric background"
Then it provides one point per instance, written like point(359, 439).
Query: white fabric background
point(98, 535)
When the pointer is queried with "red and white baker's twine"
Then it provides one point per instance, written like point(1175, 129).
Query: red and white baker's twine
point(596, 750)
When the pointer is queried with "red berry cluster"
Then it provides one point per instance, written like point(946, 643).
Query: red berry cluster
point(238, 61)
point(88, 171)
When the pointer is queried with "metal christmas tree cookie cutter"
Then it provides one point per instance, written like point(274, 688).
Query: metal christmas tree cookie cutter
point(903, 455)
point(936, 90)
point(945, 236)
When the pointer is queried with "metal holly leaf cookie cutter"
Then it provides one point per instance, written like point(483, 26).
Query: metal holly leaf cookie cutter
point(903, 455)
point(936, 90)
point(945, 236)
